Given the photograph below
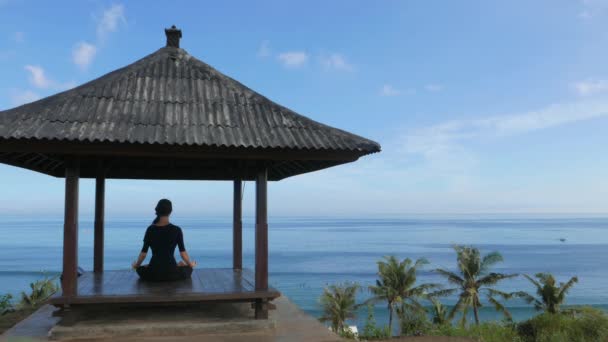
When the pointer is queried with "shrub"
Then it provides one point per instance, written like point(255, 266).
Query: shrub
point(584, 324)
point(484, 332)
point(371, 331)
point(6, 304)
point(347, 333)
point(41, 291)
point(413, 321)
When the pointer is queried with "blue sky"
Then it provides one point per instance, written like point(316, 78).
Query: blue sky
point(480, 106)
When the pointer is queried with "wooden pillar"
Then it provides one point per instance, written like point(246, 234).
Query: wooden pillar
point(237, 227)
point(70, 232)
point(261, 241)
point(100, 189)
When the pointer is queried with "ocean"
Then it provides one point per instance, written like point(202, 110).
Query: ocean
point(307, 253)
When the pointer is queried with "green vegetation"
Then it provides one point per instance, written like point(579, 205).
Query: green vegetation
point(414, 322)
point(41, 291)
point(550, 295)
point(584, 324)
point(473, 281)
point(339, 304)
point(397, 287)
point(439, 312)
point(11, 314)
point(6, 304)
point(371, 331)
point(483, 332)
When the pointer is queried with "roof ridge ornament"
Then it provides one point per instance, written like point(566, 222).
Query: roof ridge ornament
point(173, 36)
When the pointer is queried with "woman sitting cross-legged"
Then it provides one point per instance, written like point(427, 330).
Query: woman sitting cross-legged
point(163, 237)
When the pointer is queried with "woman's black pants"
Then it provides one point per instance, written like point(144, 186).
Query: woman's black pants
point(150, 274)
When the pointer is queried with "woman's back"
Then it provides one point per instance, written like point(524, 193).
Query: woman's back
point(163, 240)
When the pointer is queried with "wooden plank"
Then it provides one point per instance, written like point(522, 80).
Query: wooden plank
point(245, 284)
point(125, 287)
point(205, 285)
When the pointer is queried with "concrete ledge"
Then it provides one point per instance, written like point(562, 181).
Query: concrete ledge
point(226, 322)
point(149, 329)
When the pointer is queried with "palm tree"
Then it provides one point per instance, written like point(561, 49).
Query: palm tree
point(338, 304)
point(439, 311)
point(397, 285)
point(473, 280)
point(550, 295)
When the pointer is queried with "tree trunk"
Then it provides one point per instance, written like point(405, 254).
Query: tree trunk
point(390, 318)
point(476, 314)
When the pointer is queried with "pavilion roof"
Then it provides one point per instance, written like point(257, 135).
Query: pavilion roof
point(170, 98)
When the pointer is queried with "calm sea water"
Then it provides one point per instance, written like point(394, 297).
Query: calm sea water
point(308, 253)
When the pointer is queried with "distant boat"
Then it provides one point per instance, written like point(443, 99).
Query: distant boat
point(562, 240)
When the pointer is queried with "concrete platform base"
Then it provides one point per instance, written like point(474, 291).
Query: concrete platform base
point(215, 322)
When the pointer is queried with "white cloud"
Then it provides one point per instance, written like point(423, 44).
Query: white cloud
point(389, 90)
point(335, 61)
point(450, 135)
point(39, 79)
point(109, 21)
point(433, 87)
point(83, 54)
point(264, 49)
point(590, 87)
point(293, 59)
point(20, 97)
point(37, 76)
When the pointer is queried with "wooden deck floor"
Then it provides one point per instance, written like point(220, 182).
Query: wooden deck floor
point(207, 284)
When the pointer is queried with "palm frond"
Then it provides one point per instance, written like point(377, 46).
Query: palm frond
point(451, 277)
point(459, 306)
point(490, 259)
point(502, 294)
point(533, 281)
point(528, 298)
point(493, 278)
point(421, 262)
point(441, 293)
point(564, 288)
point(500, 307)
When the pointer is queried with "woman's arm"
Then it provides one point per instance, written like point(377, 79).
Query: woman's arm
point(186, 259)
point(140, 259)
point(182, 249)
point(144, 250)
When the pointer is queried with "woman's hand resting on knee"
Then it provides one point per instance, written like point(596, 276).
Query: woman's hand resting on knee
point(191, 263)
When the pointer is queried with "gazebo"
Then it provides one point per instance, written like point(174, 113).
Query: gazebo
point(169, 116)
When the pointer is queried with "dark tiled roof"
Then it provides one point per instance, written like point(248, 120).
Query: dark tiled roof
point(170, 97)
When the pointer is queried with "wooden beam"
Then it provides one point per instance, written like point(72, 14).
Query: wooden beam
point(237, 226)
point(261, 240)
point(100, 188)
point(70, 232)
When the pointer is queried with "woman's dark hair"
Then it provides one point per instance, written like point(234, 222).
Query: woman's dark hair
point(163, 208)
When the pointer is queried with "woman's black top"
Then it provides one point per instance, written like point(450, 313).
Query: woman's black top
point(163, 240)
